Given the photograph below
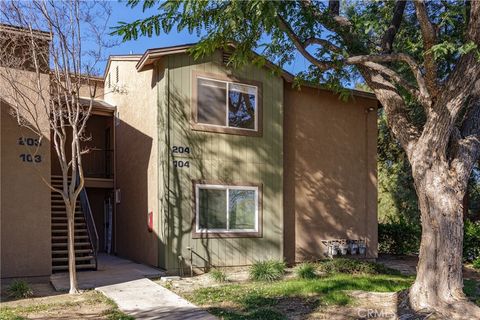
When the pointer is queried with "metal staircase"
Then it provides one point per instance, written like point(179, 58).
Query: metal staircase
point(86, 237)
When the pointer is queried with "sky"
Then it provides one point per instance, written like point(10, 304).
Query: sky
point(120, 12)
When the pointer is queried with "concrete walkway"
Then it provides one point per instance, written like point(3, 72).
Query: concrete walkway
point(126, 283)
point(144, 299)
point(111, 270)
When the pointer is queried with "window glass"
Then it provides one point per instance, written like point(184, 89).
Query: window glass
point(241, 209)
point(212, 209)
point(215, 214)
point(241, 106)
point(211, 102)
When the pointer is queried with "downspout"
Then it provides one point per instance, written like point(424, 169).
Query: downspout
point(167, 140)
point(156, 71)
point(114, 198)
point(367, 242)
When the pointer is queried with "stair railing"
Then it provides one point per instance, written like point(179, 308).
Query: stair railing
point(91, 228)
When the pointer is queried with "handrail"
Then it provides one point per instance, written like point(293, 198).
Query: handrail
point(98, 163)
point(91, 228)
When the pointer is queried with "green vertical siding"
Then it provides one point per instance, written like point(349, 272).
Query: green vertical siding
point(163, 160)
point(216, 156)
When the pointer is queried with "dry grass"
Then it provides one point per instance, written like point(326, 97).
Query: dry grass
point(49, 304)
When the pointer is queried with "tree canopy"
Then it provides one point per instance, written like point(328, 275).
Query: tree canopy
point(422, 61)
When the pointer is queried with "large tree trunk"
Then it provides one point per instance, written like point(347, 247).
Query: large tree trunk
point(71, 248)
point(439, 282)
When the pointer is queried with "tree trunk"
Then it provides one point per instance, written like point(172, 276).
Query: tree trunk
point(71, 248)
point(439, 282)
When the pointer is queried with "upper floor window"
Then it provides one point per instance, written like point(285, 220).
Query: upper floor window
point(226, 106)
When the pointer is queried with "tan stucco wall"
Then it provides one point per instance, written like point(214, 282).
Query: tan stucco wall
point(136, 162)
point(96, 88)
point(24, 198)
point(330, 172)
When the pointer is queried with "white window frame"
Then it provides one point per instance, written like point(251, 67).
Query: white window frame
point(227, 188)
point(227, 86)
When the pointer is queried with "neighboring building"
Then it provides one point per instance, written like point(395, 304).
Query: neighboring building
point(194, 163)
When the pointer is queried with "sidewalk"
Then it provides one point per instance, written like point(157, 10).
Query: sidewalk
point(111, 270)
point(144, 299)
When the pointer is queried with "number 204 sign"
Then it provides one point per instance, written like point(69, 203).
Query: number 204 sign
point(181, 151)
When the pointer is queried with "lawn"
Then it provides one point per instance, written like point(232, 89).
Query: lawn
point(268, 300)
point(334, 295)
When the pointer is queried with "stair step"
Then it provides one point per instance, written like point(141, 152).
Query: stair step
point(65, 218)
point(77, 251)
point(64, 244)
point(78, 267)
point(60, 200)
point(85, 258)
point(66, 237)
point(59, 215)
point(65, 230)
point(65, 224)
point(61, 206)
point(64, 212)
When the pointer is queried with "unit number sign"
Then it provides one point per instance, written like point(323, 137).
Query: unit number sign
point(181, 151)
point(31, 142)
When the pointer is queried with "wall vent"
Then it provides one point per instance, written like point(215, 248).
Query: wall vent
point(226, 57)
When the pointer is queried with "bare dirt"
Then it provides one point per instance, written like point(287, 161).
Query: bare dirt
point(46, 303)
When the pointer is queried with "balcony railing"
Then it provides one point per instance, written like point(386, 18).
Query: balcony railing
point(98, 163)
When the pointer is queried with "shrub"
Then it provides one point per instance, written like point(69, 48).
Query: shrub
point(269, 270)
point(306, 270)
point(476, 263)
point(218, 275)
point(471, 241)
point(351, 266)
point(19, 289)
point(398, 236)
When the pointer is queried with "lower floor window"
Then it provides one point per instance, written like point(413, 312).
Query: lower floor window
point(223, 208)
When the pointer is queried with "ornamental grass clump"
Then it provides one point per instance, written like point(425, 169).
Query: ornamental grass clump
point(306, 270)
point(19, 289)
point(218, 275)
point(269, 270)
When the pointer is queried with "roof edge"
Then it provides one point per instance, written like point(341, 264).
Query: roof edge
point(152, 54)
point(354, 92)
point(120, 57)
point(22, 30)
